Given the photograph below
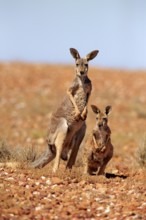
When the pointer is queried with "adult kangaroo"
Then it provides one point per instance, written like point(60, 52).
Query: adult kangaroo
point(67, 124)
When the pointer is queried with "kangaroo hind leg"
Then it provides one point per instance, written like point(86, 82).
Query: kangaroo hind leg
point(59, 142)
point(76, 142)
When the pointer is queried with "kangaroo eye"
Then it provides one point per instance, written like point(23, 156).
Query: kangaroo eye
point(77, 64)
point(96, 118)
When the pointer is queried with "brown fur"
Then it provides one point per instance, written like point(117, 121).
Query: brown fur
point(67, 124)
point(98, 149)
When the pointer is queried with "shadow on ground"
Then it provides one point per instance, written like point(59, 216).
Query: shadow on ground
point(112, 175)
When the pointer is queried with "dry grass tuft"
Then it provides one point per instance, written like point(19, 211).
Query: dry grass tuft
point(24, 154)
point(5, 151)
point(19, 154)
point(141, 153)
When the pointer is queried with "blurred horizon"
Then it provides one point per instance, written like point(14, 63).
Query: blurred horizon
point(43, 31)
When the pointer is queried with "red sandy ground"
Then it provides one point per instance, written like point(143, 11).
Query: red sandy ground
point(28, 94)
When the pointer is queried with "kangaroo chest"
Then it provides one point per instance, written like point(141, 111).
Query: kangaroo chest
point(100, 148)
point(81, 92)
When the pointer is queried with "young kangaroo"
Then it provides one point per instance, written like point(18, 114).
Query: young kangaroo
point(98, 149)
point(67, 124)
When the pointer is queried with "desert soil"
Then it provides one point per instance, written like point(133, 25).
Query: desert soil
point(28, 95)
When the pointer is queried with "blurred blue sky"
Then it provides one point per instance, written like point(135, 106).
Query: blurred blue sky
point(44, 30)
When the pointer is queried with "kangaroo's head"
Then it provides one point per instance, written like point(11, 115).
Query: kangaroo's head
point(82, 63)
point(101, 117)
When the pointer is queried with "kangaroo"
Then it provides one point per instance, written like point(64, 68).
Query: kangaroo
point(67, 124)
point(98, 149)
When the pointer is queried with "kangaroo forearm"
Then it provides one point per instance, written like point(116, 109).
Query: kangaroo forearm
point(73, 100)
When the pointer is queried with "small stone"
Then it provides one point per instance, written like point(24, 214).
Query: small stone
point(56, 180)
point(48, 182)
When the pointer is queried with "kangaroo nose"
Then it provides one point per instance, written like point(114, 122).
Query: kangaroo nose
point(81, 72)
point(100, 125)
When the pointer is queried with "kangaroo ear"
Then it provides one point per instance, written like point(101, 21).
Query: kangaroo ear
point(108, 109)
point(75, 53)
point(95, 109)
point(92, 55)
